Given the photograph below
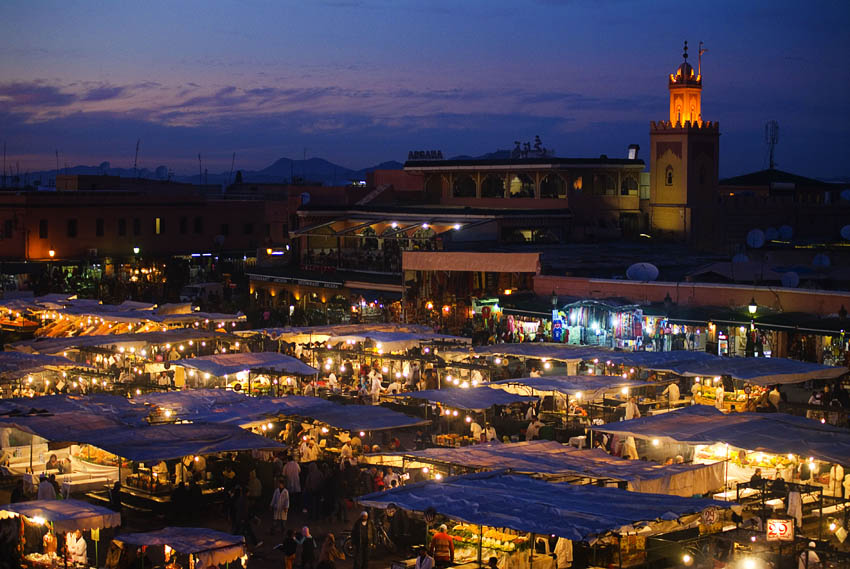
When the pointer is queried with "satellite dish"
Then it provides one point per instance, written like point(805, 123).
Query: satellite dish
point(771, 233)
point(740, 258)
point(845, 195)
point(790, 279)
point(755, 239)
point(845, 232)
point(786, 232)
point(642, 272)
point(821, 261)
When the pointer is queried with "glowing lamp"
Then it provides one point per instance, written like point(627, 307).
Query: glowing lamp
point(51, 253)
point(752, 307)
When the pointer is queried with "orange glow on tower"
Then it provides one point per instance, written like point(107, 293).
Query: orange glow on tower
point(685, 94)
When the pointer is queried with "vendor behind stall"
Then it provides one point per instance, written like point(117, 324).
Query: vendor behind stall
point(76, 547)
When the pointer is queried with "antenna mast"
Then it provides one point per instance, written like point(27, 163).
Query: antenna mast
point(4, 163)
point(771, 138)
point(200, 170)
point(136, 159)
point(232, 164)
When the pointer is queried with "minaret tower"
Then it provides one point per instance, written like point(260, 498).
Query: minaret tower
point(684, 154)
point(685, 93)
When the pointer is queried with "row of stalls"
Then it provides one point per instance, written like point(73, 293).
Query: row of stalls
point(57, 316)
point(69, 533)
point(779, 468)
point(132, 363)
point(151, 443)
point(729, 383)
point(526, 522)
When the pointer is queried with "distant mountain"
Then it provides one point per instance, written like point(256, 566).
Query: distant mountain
point(316, 170)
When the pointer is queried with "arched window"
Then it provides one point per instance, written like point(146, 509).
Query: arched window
point(434, 185)
point(668, 176)
point(553, 186)
point(629, 186)
point(604, 185)
point(702, 176)
point(522, 186)
point(463, 187)
point(493, 186)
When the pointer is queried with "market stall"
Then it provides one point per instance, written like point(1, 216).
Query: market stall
point(261, 372)
point(178, 547)
point(792, 452)
point(456, 406)
point(553, 461)
point(44, 522)
point(504, 515)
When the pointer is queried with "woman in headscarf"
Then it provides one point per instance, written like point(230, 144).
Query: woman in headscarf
point(308, 548)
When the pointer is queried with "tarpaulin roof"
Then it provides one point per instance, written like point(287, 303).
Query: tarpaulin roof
point(212, 547)
point(776, 433)
point(572, 384)
point(227, 364)
point(66, 515)
point(306, 334)
point(396, 340)
point(349, 417)
point(762, 371)
point(163, 442)
point(220, 406)
point(63, 418)
point(576, 512)
point(58, 345)
point(16, 364)
point(475, 398)
point(554, 459)
point(561, 352)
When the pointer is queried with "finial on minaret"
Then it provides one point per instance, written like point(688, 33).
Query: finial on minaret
point(685, 55)
point(700, 51)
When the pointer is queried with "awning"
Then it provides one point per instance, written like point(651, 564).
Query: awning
point(165, 442)
point(775, 433)
point(213, 548)
point(395, 341)
point(229, 407)
point(578, 513)
point(349, 417)
point(587, 385)
point(66, 515)
point(220, 365)
point(59, 345)
point(17, 364)
point(761, 371)
point(475, 398)
point(552, 459)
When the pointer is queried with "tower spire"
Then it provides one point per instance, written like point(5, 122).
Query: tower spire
point(685, 54)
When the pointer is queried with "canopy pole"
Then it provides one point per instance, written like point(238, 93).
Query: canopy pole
point(480, 539)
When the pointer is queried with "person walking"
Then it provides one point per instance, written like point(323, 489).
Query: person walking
point(329, 551)
point(308, 548)
point(289, 548)
point(280, 506)
point(362, 539)
point(443, 547)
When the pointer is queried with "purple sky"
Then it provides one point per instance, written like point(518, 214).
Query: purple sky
point(360, 82)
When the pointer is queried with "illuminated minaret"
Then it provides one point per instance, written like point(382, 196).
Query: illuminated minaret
point(685, 93)
point(684, 155)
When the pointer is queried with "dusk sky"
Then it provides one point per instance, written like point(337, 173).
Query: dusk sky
point(361, 82)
